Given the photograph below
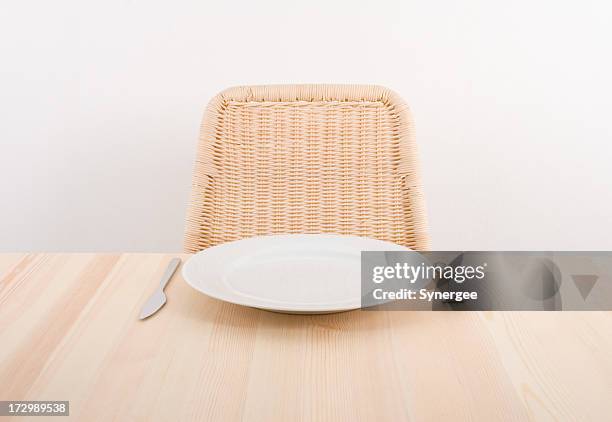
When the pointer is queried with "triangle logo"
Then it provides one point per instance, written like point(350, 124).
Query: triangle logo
point(585, 283)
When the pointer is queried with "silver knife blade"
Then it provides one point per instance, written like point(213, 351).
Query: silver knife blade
point(158, 298)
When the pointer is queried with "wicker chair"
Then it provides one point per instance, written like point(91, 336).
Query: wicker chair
point(306, 159)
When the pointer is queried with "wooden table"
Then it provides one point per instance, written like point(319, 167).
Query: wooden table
point(69, 331)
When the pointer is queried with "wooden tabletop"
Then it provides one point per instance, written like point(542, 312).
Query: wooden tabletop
point(69, 330)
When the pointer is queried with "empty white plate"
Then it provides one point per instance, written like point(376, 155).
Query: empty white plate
point(304, 273)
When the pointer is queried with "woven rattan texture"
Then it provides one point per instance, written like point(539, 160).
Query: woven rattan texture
point(306, 159)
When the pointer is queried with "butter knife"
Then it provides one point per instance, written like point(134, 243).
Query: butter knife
point(158, 298)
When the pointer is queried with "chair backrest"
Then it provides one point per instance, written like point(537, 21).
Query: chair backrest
point(285, 159)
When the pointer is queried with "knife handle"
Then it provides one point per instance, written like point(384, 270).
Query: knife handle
point(172, 266)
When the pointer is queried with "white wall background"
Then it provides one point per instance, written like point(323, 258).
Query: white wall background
point(100, 105)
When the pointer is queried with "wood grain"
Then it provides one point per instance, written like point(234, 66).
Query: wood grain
point(69, 331)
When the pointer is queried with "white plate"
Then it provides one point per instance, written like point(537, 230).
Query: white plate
point(305, 273)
